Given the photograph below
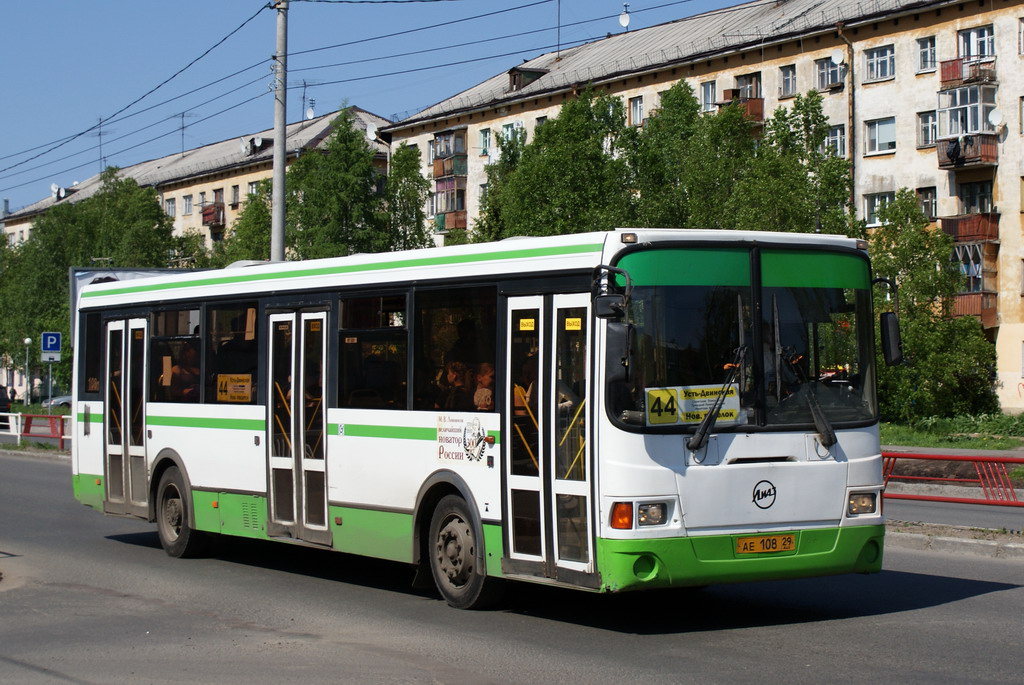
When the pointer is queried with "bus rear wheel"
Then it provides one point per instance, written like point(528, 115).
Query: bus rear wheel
point(453, 560)
point(176, 537)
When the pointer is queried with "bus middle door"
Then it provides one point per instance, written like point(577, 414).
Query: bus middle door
point(296, 449)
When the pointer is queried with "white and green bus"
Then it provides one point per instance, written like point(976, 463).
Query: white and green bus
point(609, 411)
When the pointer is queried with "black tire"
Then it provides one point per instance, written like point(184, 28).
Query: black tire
point(172, 503)
point(453, 564)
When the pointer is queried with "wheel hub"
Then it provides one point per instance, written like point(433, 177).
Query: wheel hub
point(455, 551)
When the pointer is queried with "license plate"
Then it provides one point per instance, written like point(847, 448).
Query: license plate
point(766, 544)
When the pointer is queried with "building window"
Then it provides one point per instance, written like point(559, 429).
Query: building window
point(977, 43)
point(1020, 36)
point(707, 97)
point(235, 192)
point(749, 85)
point(926, 54)
point(874, 203)
point(835, 142)
point(186, 204)
point(969, 257)
point(928, 201)
point(169, 206)
point(927, 129)
point(218, 195)
point(202, 199)
point(540, 120)
point(881, 135)
point(636, 111)
point(485, 141)
point(976, 197)
point(966, 110)
point(880, 63)
point(829, 74)
point(787, 76)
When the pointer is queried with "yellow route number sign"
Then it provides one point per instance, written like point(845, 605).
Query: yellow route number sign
point(662, 406)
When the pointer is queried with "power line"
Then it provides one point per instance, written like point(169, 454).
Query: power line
point(140, 98)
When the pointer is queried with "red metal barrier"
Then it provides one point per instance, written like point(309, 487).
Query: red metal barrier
point(992, 479)
point(54, 424)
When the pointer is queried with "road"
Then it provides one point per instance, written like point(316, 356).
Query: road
point(950, 514)
point(92, 599)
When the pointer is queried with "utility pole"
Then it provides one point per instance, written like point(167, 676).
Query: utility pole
point(280, 150)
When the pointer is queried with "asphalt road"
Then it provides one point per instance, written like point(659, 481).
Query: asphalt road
point(950, 514)
point(92, 599)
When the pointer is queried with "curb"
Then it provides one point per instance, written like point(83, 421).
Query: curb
point(993, 549)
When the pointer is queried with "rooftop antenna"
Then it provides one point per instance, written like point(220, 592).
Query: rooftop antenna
point(182, 127)
point(558, 30)
point(311, 110)
point(99, 134)
point(624, 17)
point(312, 101)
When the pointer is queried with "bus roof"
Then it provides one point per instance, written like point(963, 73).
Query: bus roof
point(513, 256)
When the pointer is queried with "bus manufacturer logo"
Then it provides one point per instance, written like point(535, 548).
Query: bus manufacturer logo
point(764, 494)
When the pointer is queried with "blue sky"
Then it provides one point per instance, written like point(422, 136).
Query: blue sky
point(69, 63)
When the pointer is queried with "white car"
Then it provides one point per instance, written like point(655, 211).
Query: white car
point(58, 401)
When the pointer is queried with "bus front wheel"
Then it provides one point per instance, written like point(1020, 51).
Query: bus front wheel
point(453, 560)
point(176, 537)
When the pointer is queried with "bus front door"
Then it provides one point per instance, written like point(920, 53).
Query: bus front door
point(126, 470)
point(296, 447)
point(548, 465)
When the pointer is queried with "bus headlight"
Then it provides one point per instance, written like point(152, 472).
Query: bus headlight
point(652, 514)
point(862, 503)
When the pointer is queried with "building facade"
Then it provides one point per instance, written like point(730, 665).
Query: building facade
point(923, 95)
point(204, 189)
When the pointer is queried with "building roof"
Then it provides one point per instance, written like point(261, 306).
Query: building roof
point(750, 25)
point(235, 153)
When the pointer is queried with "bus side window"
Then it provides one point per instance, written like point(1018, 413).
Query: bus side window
point(232, 354)
point(372, 353)
point(91, 350)
point(174, 356)
point(455, 350)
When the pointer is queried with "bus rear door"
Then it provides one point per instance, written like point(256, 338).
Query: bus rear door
point(126, 471)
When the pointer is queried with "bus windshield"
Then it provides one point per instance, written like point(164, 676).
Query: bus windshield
point(774, 337)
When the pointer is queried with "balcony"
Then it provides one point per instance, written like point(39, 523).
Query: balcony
point(967, 228)
point(213, 214)
point(969, 151)
point(957, 72)
point(455, 220)
point(450, 166)
point(981, 305)
point(752, 108)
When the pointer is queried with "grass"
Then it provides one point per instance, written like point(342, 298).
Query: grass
point(918, 436)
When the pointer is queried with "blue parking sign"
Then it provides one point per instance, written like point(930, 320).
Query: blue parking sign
point(51, 342)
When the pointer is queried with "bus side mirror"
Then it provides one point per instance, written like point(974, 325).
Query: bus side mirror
point(611, 306)
point(892, 345)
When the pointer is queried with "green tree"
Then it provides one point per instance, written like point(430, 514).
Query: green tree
point(660, 159)
point(122, 225)
point(948, 361)
point(490, 224)
point(792, 183)
point(572, 178)
point(406, 195)
point(334, 207)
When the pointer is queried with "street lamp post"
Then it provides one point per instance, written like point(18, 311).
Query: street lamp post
point(28, 389)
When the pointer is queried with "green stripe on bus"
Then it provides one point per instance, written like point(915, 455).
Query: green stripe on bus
point(354, 268)
point(205, 422)
point(813, 269)
point(355, 430)
point(94, 416)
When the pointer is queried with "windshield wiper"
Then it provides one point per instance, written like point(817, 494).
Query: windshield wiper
point(821, 422)
point(700, 436)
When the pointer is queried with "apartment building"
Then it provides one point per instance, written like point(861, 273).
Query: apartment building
point(922, 95)
point(204, 189)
